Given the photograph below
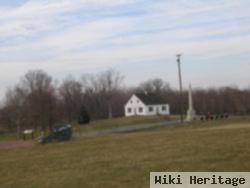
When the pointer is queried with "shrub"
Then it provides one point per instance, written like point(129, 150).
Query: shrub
point(84, 117)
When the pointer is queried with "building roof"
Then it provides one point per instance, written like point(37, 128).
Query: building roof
point(151, 99)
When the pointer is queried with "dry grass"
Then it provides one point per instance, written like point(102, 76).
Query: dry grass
point(125, 160)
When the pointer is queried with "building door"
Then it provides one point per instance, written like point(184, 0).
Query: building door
point(157, 111)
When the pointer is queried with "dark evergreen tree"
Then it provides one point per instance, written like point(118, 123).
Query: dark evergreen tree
point(84, 117)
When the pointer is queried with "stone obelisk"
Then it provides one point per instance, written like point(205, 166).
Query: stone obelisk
point(191, 112)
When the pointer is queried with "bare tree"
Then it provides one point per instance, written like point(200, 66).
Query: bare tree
point(110, 82)
point(71, 94)
point(156, 85)
point(99, 91)
point(41, 98)
point(14, 110)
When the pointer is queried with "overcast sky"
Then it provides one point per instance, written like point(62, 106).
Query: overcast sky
point(138, 38)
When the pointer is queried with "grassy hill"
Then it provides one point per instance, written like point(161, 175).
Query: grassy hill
point(125, 160)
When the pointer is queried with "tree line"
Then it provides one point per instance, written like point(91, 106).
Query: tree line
point(38, 102)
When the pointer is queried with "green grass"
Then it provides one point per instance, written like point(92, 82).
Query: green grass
point(8, 136)
point(125, 160)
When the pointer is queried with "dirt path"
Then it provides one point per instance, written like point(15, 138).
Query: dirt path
point(124, 129)
point(16, 144)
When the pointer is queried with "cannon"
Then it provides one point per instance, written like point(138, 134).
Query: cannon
point(58, 133)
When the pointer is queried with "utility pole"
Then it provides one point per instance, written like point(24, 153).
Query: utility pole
point(180, 84)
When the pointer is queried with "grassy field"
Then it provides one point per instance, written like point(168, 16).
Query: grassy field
point(8, 136)
point(125, 160)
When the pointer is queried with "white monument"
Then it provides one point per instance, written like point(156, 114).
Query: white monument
point(191, 112)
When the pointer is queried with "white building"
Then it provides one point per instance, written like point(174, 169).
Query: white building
point(146, 105)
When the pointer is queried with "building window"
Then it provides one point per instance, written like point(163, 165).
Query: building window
point(131, 101)
point(137, 101)
point(150, 109)
point(129, 110)
point(140, 109)
point(163, 108)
